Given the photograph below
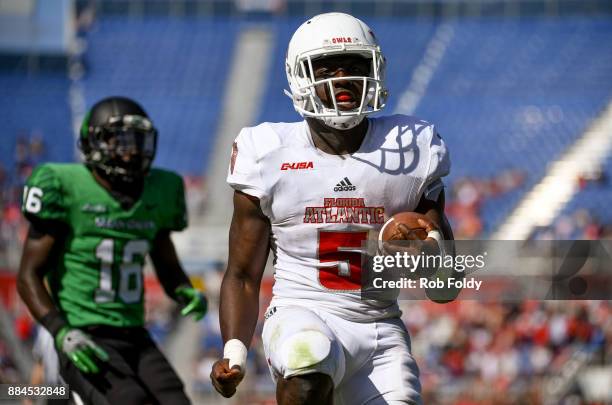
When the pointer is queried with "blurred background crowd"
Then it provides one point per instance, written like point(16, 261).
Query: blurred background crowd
point(514, 86)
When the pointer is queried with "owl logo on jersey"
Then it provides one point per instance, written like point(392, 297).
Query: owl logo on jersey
point(341, 176)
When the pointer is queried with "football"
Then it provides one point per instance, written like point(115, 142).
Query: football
point(391, 231)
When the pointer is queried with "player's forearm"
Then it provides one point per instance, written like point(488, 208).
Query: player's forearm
point(446, 229)
point(171, 280)
point(238, 307)
point(32, 268)
point(34, 294)
point(443, 224)
point(249, 239)
point(167, 266)
point(434, 210)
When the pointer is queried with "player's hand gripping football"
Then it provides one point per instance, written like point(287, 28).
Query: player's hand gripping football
point(410, 233)
point(411, 241)
point(193, 302)
point(226, 379)
point(80, 349)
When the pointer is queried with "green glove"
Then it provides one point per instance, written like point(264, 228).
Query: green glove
point(80, 349)
point(193, 301)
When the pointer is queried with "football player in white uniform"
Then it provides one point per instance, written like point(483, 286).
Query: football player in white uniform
point(312, 192)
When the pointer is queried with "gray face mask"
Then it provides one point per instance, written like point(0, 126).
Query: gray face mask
point(122, 150)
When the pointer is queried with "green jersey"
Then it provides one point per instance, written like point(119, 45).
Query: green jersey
point(96, 277)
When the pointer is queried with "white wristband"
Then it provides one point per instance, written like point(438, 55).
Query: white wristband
point(437, 236)
point(236, 352)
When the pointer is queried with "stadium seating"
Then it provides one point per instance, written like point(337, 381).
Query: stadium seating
point(517, 94)
point(507, 94)
point(277, 106)
point(35, 106)
point(177, 71)
point(594, 197)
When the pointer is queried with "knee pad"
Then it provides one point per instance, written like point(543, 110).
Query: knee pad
point(304, 350)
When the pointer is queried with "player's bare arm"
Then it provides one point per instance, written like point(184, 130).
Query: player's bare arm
point(249, 238)
point(32, 269)
point(166, 263)
point(172, 277)
point(329, 166)
point(37, 252)
point(434, 210)
point(435, 220)
point(117, 207)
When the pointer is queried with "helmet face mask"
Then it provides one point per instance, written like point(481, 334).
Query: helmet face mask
point(122, 148)
point(334, 35)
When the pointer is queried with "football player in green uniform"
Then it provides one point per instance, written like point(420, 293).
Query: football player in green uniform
point(91, 226)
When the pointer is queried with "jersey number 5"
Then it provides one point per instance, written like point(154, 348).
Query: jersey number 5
point(130, 280)
point(345, 250)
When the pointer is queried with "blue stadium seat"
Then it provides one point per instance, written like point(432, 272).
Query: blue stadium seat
point(507, 94)
point(516, 94)
point(176, 68)
point(35, 105)
point(595, 197)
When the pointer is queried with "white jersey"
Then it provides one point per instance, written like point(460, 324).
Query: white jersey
point(323, 207)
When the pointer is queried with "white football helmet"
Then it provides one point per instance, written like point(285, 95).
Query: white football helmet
point(332, 34)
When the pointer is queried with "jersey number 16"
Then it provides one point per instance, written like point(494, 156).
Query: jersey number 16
point(130, 271)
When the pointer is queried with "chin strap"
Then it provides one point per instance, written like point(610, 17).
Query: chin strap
point(343, 123)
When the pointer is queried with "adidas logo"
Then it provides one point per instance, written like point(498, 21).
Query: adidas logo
point(345, 185)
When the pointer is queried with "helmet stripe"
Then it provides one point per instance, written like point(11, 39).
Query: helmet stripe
point(85, 125)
